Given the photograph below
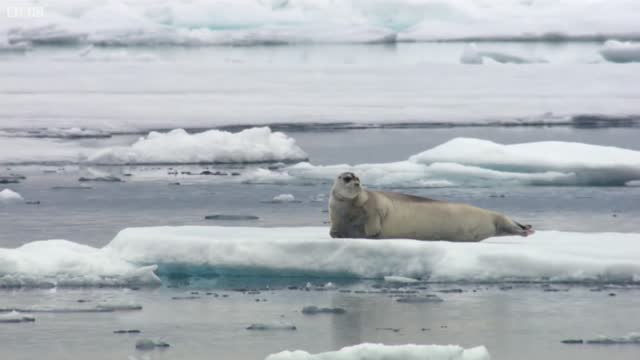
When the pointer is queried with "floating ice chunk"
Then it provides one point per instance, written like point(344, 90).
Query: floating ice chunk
point(213, 146)
point(400, 279)
point(16, 317)
point(571, 163)
point(471, 55)
point(266, 176)
point(620, 52)
point(274, 326)
point(148, 344)
point(230, 217)
point(553, 256)
point(429, 298)
point(313, 310)
point(108, 178)
point(120, 307)
point(284, 198)
point(63, 263)
point(8, 196)
point(631, 338)
point(368, 351)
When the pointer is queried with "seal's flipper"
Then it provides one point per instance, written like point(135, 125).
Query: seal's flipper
point(526, 230)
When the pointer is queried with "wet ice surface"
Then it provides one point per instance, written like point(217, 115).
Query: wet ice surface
point(519, 321)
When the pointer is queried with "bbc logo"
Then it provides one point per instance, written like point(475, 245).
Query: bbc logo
point(25, 11)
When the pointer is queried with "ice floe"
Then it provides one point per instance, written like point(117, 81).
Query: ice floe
point(213, 146)
point(620, 51)
point(149, 344)
point(368, 351)
point(548, 256)
point(63, 263)
point(136, 255)
point(464, 161)
point(284, 198)
point(631, 338)
point(16, 317)
point(258, 144)
point(8, 196)
point(472, 55)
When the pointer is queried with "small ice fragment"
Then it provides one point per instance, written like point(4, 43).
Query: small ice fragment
point(282, 198)
point(631, 338)
point(119, 307)
point(229, 217)
point(8, 196)
point(108, 178)
point(419, 299)
point(148, 344)
point(313, 310)
point(573, 341)
point(451, 291)
point(620, 52)
point(260, 326)
point(16, 317)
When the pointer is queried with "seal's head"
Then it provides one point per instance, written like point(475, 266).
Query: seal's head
point(347, 186)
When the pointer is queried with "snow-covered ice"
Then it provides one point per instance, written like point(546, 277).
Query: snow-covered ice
point(255, 22)
point(8, 196)
point(631, 338)
point(16, 317)
point(283, 198)
point(258, 144)
point(135, 254)
point(620, 51)
point(367, 351)
point(149, 344)
point(547, 256)
point(472, 55)
point(463, 161)
point(178, 146)
point(64, 263)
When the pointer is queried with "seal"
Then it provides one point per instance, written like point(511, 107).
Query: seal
point(359, 213)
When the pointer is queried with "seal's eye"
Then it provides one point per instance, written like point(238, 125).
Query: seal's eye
point(347, 179)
